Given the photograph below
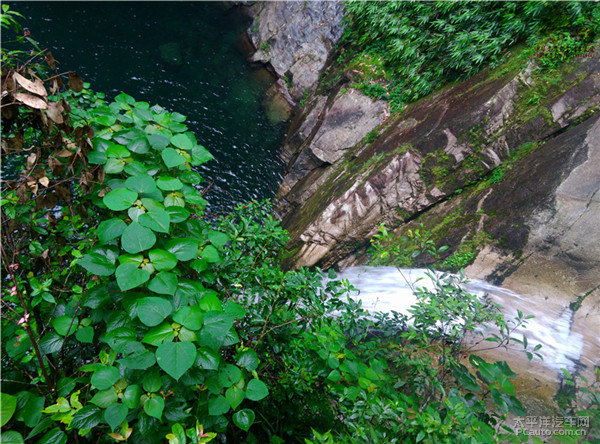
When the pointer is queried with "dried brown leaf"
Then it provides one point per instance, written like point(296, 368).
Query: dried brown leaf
point(31, 160)
point(31, 101)
point(55, 111)
point(50, 60)
point(64, 153)
point(44, 181)
point(75, 82)
point(36, 87)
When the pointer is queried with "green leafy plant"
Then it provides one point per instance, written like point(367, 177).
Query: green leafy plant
point(423, 45)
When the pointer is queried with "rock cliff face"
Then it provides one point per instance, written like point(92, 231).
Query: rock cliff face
point(504, 168)
point(296, 38)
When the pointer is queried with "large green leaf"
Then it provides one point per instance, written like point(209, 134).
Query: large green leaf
point(104, 398)
point(217, 238)
point(234, 396)
point(162, 259)
point(97, 263)
point(152, 311)
point(137, 238)
point(178, 214)
point(200, 155)
point(165, 282)
point(248, 359)
point(158, 141)
point(54, 436)
point(256, 390)
point(159, 334)
point(182, 141)
point(63, 323)
point(167, 183)
point(11, 437)
point(208, 359)
point(141, 183)
point(120, 199)
point(87, 417)
point(176, 358)
point(211, 302)
point(139, 145)
point(217, 324)
point(85, 334)
point(244, 419)
point(211, 254)
point(130, 276)
point(51, 343)
point(140, 359)
point(8, 405)
point(190, 317)
point(117, 152)
point(156, 219)
point(110, 229)
point(115, 414)
point(172, 158)
point(104, 377)
point(131, 396)
point(184, 249)
point(118, 338)
point(229, 375)
point(217, 406)
point(154, 406)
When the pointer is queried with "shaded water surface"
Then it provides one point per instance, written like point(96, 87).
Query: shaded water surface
point(182, 56)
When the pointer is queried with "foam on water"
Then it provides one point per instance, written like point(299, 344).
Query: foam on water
point(387, 289)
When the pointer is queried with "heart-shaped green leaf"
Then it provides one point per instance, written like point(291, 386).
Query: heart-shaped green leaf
point(158, 141)
point(97, 263)
point(172, 158)
point(190, 317)
point(244, 419)
point(152, 311)
point(184, 249)
point(156, 219)
point(159, 334)
point(131, 396)
point(130, 276)
point(137, 238)
point(104, 377)
point(217, 405)
point(200, 155)
point(176, 358)
point(110, 229)
point(8, 405)
point(256, 390)
point(120, 199)
point(234, 396)
point(182, 141)
point(248, 359)
point(154, 406)
point(65, 325)
point(141, 183)
point(178, 214)
point(115, 414)
point(162, 260)
point(167, 183)
point(165, 282)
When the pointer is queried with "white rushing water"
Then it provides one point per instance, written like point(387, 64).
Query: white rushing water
point(386, 289)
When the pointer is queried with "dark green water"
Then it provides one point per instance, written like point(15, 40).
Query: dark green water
point(115, 46)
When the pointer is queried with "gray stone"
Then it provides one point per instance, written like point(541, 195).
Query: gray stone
point(296, 38)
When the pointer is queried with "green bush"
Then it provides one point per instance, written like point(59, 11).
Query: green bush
point(424, 45)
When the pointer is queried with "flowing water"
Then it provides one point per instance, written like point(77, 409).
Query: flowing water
point(387, 289)
point(182, 56)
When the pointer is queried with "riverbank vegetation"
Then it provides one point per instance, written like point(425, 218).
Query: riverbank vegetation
point(405, 50)
point(130, 314)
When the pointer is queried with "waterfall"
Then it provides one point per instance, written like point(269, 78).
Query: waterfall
point(386, 289)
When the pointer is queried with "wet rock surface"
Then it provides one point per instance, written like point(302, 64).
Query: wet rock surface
point(295, 38)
